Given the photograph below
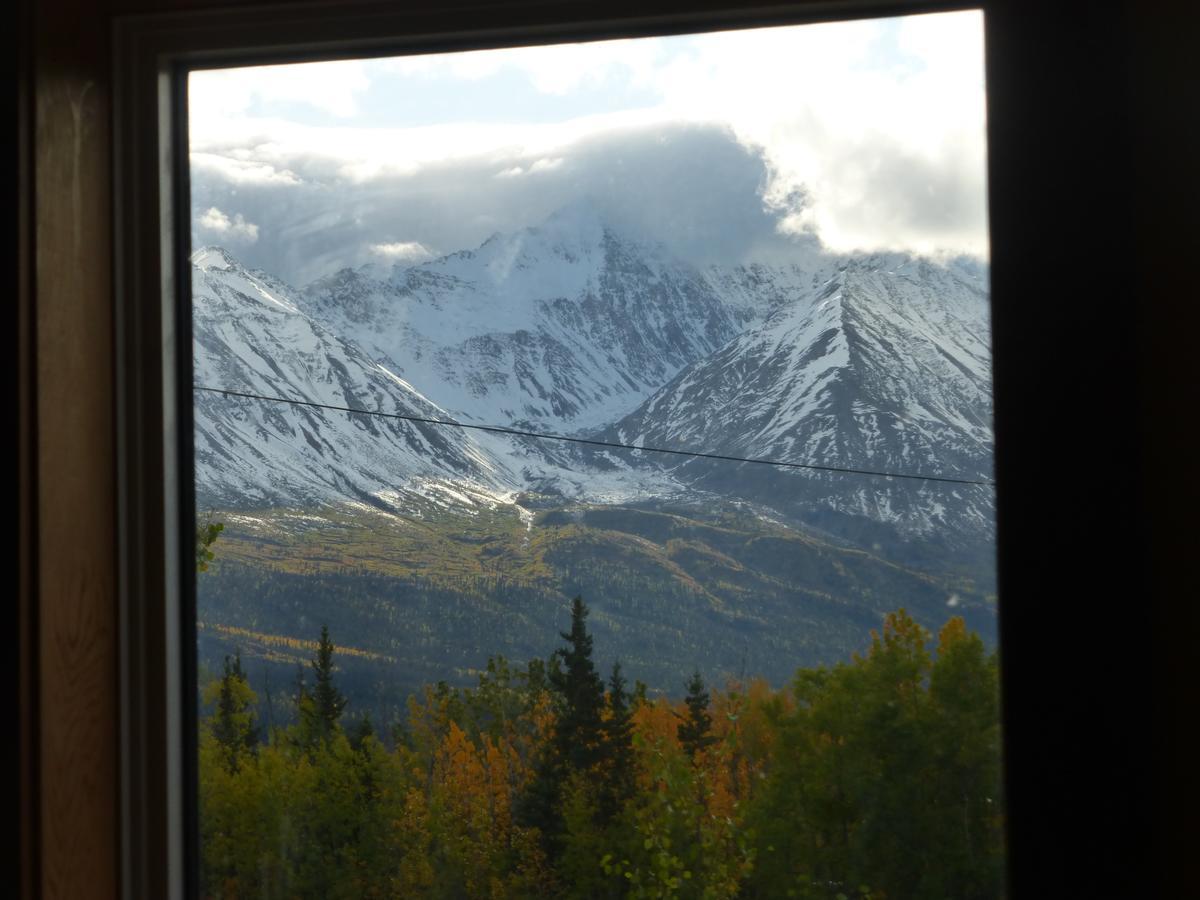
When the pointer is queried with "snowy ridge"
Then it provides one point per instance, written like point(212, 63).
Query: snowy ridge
point(250, 336)
point(566, 326)
point(876, 362)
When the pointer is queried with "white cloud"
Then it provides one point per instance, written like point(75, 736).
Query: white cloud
point(216, 222)
point(275, 150)
point(329, 87)
point(553, 69)
point(545, 164)
point(889, 147)
point(238, 168)
point(878, 124)
point(402, 251)
point(694, 187)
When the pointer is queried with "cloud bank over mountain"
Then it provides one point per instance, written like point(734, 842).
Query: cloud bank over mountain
point(695, 187)
point(868, 135)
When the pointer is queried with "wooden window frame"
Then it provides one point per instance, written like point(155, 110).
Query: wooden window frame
point(155, 589)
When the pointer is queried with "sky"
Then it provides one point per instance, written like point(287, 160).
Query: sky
point(729, 147)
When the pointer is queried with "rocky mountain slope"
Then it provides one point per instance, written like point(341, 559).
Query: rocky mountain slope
point(878, 363)
point(872, 362)
point(251, 337)
point(566, 326)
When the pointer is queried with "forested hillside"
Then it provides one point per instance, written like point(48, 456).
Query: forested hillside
point(877, 777)
point(671, 588)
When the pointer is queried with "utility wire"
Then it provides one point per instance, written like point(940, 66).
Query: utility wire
point(496, 429)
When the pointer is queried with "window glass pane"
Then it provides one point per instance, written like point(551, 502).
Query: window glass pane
point(593, 448)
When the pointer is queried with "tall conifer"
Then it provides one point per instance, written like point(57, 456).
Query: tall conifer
point(578, 744)
point(234, 725)
point(321, 710)
point(578, 734)
point(619, 774)
point(695, 731)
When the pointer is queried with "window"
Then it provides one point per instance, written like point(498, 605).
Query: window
point(1098, 93)
point(345, 433)
point(699, 298)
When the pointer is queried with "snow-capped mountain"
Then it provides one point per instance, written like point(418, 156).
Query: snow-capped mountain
point(565, 326)
point(874, 362)
point(251, 337)
point(879, 362)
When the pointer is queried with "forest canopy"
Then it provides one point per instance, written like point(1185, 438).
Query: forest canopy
point(875, 778)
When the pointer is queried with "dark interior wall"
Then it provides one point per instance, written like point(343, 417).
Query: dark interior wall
point(68, 552)
point(1089, 177)
point(1164, 237)
point(1093, 152)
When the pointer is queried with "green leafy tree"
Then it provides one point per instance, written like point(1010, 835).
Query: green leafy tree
point(206, 535)
point(891, 847)
point(885, 777)
point(678, 847)
point(966, 794)
point(876, 779)
point(588, 838)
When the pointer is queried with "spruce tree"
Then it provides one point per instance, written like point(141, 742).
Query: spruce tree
point(578, 734)
point(234, 726)
point(321, 710)
point(619, 780)
point(364, 728)
point(578, 743)
point(695, 731)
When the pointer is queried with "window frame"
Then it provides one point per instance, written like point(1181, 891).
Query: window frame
point(155, 502)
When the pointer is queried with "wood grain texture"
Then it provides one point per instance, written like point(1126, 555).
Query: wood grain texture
point(25, 390)
point(77, 640)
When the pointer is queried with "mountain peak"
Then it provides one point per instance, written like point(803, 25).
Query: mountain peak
point(582, 217)
point(214, 257)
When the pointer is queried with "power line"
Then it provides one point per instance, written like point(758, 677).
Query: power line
point(515, 432)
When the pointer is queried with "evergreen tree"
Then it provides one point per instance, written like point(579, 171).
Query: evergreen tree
point(620, 773)
point(233, 726)
point(578, 735)
point(695, 731)
point(321, 709)
point(535, 678)
point(363, 729)
point(577, 745)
